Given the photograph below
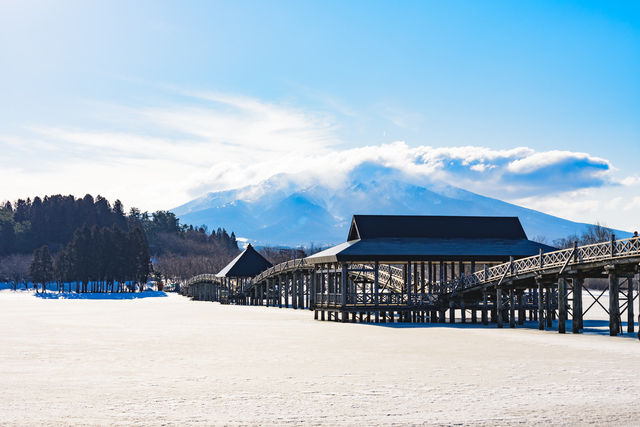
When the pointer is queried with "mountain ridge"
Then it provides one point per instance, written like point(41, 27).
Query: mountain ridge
point(286, 211)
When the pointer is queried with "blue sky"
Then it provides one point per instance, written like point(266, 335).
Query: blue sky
point(155, 103)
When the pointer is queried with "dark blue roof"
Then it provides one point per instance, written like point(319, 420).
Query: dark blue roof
point(248, 264)
point(432, 238)
point(443, 227)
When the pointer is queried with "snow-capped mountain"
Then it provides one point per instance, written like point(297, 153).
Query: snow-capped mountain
point(285, 210)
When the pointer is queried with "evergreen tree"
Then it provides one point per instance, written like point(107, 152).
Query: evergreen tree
point(81, 257)
point(41, 269)
point(140, 259)
point(63, 268)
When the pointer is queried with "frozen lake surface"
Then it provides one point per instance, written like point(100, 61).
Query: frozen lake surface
point(165, 360)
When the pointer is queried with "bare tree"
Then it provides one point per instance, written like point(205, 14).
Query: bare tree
point(541, 239)
point(15, 269)
point(595, 233)
point(276, 255)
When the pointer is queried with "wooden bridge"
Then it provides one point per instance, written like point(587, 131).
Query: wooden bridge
point(542, 288)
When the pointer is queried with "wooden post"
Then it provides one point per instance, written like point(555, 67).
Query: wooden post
point(485, 307)
point(422, 278)
point(549, 293)
point(577, 306)
point(512, 308)
point(463, 311)
point(314, 290)
point(376, 286)
point(301, 287)
point(521, 313)
point(408, 281)
point(614, 306)
point(630, 317)
point(270, 289)
point(499, 306)
point(562, 305)
point(343, 291)
point(294, 290)
point(540, 306)
point(452, 312)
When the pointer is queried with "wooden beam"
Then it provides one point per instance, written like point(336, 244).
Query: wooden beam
point(562, 305)
point(614, 304)
point(540, 306)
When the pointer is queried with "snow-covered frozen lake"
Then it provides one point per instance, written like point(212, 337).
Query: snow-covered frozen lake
point(166, 360)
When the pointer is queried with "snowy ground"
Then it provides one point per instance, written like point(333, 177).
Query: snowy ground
point(165, 360)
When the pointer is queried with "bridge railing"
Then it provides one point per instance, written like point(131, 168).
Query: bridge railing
point(291, 265)
point(392, 276)
point(202, 278)
point(550, 260)
point(386, 271)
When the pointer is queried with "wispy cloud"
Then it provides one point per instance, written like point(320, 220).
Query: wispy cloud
point(174, 153)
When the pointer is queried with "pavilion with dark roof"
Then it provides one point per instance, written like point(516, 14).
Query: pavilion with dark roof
point(398, 238)
point(235, 275)
point(425, 251)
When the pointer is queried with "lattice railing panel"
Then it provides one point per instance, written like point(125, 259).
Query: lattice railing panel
point(550, 260)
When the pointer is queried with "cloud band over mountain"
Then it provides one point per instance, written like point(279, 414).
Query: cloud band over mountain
point(180, 150)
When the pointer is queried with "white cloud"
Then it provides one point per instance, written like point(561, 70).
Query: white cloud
point(161, 157)
point(630, 181)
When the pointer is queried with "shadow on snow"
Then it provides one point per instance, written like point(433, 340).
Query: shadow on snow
point(103, 296)
point(598, 327)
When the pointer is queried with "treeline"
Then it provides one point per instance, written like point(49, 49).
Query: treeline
point(96, 245)
point(29, 224)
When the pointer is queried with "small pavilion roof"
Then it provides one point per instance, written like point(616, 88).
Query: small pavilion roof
point(399, 238)
point(248, 264)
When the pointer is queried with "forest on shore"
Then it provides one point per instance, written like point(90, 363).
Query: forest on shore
point(98, 247)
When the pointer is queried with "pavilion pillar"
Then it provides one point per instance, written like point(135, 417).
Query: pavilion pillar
point(323, 285)
point(614, 303)
point(540, 305)
point(549, 295)
point(443, 274)
point(499, 306)
point(512, 308)
point(376, 286)
point(314, 290)
point(408, 280)
point(343, 292)
point(562, 305)
point(630, 312)
point(485, 312)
